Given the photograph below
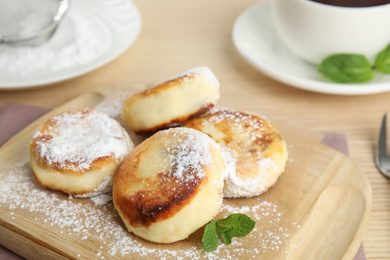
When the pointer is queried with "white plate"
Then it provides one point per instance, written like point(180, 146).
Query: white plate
point(256, 40)
point(113, 25)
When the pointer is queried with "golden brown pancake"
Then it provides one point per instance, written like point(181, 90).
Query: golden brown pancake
point(171, 102)
point(170, 185)
point(254, 149)
point(78, 152)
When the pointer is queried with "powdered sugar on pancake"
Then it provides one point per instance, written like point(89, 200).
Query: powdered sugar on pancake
point(236, 186)
point(237, 118)
point(251, 147)
point(190, 155)
point(75, 139)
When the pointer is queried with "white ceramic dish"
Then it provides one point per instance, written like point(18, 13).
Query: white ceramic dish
point(115, 25)
point(256, 40)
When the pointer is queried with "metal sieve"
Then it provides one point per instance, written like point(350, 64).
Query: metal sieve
point(38, 35)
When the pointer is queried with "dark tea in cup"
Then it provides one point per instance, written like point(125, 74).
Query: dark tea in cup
point(353, 3)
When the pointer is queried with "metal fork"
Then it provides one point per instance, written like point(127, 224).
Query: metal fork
point(382, 159)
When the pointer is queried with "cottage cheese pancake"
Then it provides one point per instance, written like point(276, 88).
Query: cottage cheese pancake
point(78, 152)
point(255, 151)
point(170, 185)
point(173, 101)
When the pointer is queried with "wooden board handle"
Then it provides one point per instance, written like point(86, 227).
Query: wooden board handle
point(340, 205)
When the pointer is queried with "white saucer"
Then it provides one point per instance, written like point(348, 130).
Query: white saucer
point(256, 40)
point(115, 26)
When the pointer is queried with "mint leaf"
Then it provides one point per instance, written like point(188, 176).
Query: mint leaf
point(235, 225)
point(227, 236)
point(382, 61)
point(347, 68)
point(210, 236)
point(238, 224)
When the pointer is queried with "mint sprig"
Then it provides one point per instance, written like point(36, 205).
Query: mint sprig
point(347, 68)
point(235, 225)
point(354, 68)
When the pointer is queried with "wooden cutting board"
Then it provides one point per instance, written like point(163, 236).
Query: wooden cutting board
point(318, 215)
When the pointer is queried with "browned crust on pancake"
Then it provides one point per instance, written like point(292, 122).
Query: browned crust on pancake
point(269, 135)
point(164, 196)
point(170, 83)
point(160, 87)
point(163, 199)
point(179, 120)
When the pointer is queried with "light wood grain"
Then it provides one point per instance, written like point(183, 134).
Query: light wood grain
point(331, 241)
point(177, 35)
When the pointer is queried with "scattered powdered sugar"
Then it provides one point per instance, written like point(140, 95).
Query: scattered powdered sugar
point(77, 220)
point(275, 236)
point(191, 153)
point(79, 138)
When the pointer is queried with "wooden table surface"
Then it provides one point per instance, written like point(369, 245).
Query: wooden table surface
point(178, 35)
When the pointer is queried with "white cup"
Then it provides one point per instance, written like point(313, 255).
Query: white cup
point(314, 31)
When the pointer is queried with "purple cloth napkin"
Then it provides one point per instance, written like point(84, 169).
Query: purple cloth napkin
point(14, 117)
